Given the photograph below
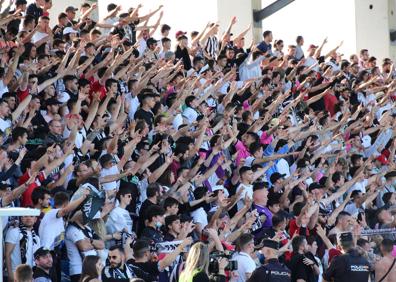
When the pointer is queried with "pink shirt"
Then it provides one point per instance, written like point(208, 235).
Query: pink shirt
point(242, 150)
point(265, 139)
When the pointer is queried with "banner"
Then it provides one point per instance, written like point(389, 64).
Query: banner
point(167, 247)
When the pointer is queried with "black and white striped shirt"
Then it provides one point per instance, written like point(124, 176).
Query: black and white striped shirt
point(212, 46)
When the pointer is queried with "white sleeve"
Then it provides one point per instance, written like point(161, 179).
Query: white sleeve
point(13, 236)
point(74, 234)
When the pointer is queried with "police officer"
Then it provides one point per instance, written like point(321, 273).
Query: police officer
point(351, 266)
point(272, 270)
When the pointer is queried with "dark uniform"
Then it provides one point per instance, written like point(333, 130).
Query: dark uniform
point(272, 271)
point(348, 267)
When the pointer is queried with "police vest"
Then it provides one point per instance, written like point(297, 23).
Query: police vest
point(276, 272)
point(358, 268)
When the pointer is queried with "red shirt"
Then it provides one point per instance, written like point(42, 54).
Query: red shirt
point(22, 94)
point(26, 200)
point(293, 228)
point(97, 87)
point(330, 101)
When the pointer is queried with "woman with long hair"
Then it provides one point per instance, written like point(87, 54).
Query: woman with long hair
point(197, 264)
point(91, 269)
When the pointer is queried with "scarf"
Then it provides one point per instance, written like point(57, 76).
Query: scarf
point(117, 273)
point(24, 240)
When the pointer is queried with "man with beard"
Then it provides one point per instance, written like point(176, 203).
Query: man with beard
point(118, 270)
point(42, 272)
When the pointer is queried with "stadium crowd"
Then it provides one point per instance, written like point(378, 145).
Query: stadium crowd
point(196, 158)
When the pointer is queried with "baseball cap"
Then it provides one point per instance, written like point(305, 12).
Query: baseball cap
point(71, 9)
point(221, 187)
point(382, 159)
point(68, 30)
point(151, 40)
point(41, 252)
point(312, 46)
point(268, 243)
point(275, 176)
point(180, 33)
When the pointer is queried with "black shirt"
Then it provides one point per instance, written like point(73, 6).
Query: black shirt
point(301, 271)
point(39, 272)
point(34, 11)
point(148, 269)
point(348, 267)
point(183, 54)
point(142, 215)
point(148, 117)
point(272, 271)
point(153, 234)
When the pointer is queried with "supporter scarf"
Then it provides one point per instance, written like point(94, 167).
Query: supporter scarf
point(93, 203)
point(24, 240)
point(116, 273)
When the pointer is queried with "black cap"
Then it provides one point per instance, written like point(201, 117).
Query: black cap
point(41, 252)
point(315, 185)
point(71, 9)
point(268, 243)
point(275, 176)
point(345, 237)
point(52, 101)
point(151, 41)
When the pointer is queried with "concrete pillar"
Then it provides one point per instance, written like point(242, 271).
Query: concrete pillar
point(373, 23)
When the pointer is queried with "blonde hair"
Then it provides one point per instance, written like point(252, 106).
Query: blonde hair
point(99, 227)
point(197, 260)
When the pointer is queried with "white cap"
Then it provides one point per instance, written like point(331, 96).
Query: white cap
point(221, 187)
point(68, 30)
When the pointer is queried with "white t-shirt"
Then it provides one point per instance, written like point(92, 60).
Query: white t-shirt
point(72, 236)
point(3, 88)
point(190, 114)
point(119, 219)
point(5, 125)
point(283, 167)
point(38, 36)
point(200, 216)
point(133, 105)
point(55, 233)
point(63, 97)
point(114, 185)
point(309, 61)
point(80, 136)
point(13, 236)
point(177, 121)
point(361, 186)
point(245, 265)
point(248, 189)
